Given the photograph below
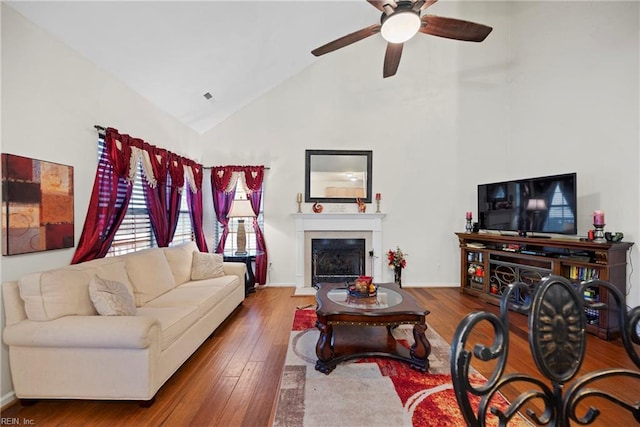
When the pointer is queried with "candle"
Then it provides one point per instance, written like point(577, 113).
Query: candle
point(377, 196)
point(469, 215)
point(598, 218)
point(299, 198)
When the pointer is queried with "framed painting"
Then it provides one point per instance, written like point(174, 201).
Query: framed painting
point(37, 205)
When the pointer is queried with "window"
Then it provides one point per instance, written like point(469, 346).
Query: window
point(231, 245)
point(184, 231)
point(559, 212)
point(135, 232)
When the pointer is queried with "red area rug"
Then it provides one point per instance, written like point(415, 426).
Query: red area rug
point(369, 391)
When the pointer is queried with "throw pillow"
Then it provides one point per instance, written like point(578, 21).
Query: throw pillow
point(111, 298)
point(115, 271)
point(206, 266)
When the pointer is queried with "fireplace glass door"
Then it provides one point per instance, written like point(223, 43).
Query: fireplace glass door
point(337, 260)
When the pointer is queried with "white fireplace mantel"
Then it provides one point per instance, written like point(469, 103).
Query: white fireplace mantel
point(338, 222)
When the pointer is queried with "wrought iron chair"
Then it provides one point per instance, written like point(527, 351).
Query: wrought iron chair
point(557, 338)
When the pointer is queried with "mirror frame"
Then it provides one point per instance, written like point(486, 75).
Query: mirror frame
point(367, 154)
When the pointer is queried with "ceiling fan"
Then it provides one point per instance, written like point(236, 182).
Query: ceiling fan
point(400, 21)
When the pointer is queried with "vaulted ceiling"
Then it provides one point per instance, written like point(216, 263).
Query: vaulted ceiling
point(174, 52)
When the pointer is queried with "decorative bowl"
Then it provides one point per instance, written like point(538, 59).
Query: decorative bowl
point(362, 288)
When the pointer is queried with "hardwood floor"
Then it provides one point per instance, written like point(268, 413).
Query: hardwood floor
point(233, 379)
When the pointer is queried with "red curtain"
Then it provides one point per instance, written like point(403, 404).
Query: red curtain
point(195, 206)
point(162, 181)
point(109, 199)
point(174, 194)
point(254, 177)
point(163, 195)
point(155, 195)
point(220, 179)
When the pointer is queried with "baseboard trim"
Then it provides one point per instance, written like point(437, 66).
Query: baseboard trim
point(8, 399)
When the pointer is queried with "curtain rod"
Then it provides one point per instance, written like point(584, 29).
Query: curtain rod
point(211, 167)
point(102, 129)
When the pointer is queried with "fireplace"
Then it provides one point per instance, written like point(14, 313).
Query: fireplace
point(337, 260)
point(367, 226)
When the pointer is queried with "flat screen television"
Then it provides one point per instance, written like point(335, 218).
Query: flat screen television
point(545, 204)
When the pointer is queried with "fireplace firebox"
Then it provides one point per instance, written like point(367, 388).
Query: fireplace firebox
point(337, 260)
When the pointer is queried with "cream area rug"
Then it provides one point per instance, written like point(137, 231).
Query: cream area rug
point(366, 392)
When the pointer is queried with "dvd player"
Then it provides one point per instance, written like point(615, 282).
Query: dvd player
point(536, 253)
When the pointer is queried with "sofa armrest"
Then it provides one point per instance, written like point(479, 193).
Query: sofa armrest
point(235, 269)
point(85, 332)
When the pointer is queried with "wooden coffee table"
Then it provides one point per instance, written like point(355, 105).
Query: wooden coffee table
point(353, 327)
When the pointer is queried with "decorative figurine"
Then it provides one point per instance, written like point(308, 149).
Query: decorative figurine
point(361, 206)
point(317, 207)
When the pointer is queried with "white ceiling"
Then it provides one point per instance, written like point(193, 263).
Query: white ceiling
point(173, 52)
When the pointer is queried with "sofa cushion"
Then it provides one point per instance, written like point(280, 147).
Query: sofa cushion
point(204, 297)
point(179, 258)
point(228, 282)
point(174, 321)
point(150, 275)
point(56, 293)
point(206, 266)
point(111, 298)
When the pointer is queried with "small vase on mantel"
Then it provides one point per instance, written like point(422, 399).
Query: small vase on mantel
point(397, 276)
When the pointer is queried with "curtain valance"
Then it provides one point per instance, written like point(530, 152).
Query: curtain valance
point(125, 152)
point(225, 178)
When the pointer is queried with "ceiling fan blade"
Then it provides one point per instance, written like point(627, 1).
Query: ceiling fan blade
point(426, 4)
point(347, 40)
point(456, 29)
point(378, 4)
point(392, 59)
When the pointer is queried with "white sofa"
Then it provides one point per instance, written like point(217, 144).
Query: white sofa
point(60, 347)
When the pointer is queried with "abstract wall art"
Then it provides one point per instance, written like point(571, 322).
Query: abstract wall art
point(37, 205)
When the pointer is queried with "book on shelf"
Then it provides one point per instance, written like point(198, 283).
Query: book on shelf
point(583, 273)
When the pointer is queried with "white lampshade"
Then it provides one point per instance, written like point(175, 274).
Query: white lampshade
point(401, 26)
point(241, 208)
point(537, 205)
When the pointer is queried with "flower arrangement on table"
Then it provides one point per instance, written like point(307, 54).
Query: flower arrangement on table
point(397, 262)
point(396, 258)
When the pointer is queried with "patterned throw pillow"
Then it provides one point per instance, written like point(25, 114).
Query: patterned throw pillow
point(206, 266)
point(111, 298)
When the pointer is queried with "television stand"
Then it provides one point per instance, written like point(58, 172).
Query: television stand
point(491, 262)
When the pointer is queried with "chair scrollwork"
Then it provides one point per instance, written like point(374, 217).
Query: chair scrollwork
point(557, 339)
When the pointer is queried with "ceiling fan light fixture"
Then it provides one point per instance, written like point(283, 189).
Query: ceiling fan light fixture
point(400, 26)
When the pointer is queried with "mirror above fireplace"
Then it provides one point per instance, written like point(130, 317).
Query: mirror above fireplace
point(338, 176)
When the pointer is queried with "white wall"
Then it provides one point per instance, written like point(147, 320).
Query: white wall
point(551, 90)
point(550, 77)
point(411, 121)
point(574, 94)
point(51, 98)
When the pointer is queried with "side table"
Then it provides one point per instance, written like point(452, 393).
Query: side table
point(250, 278)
